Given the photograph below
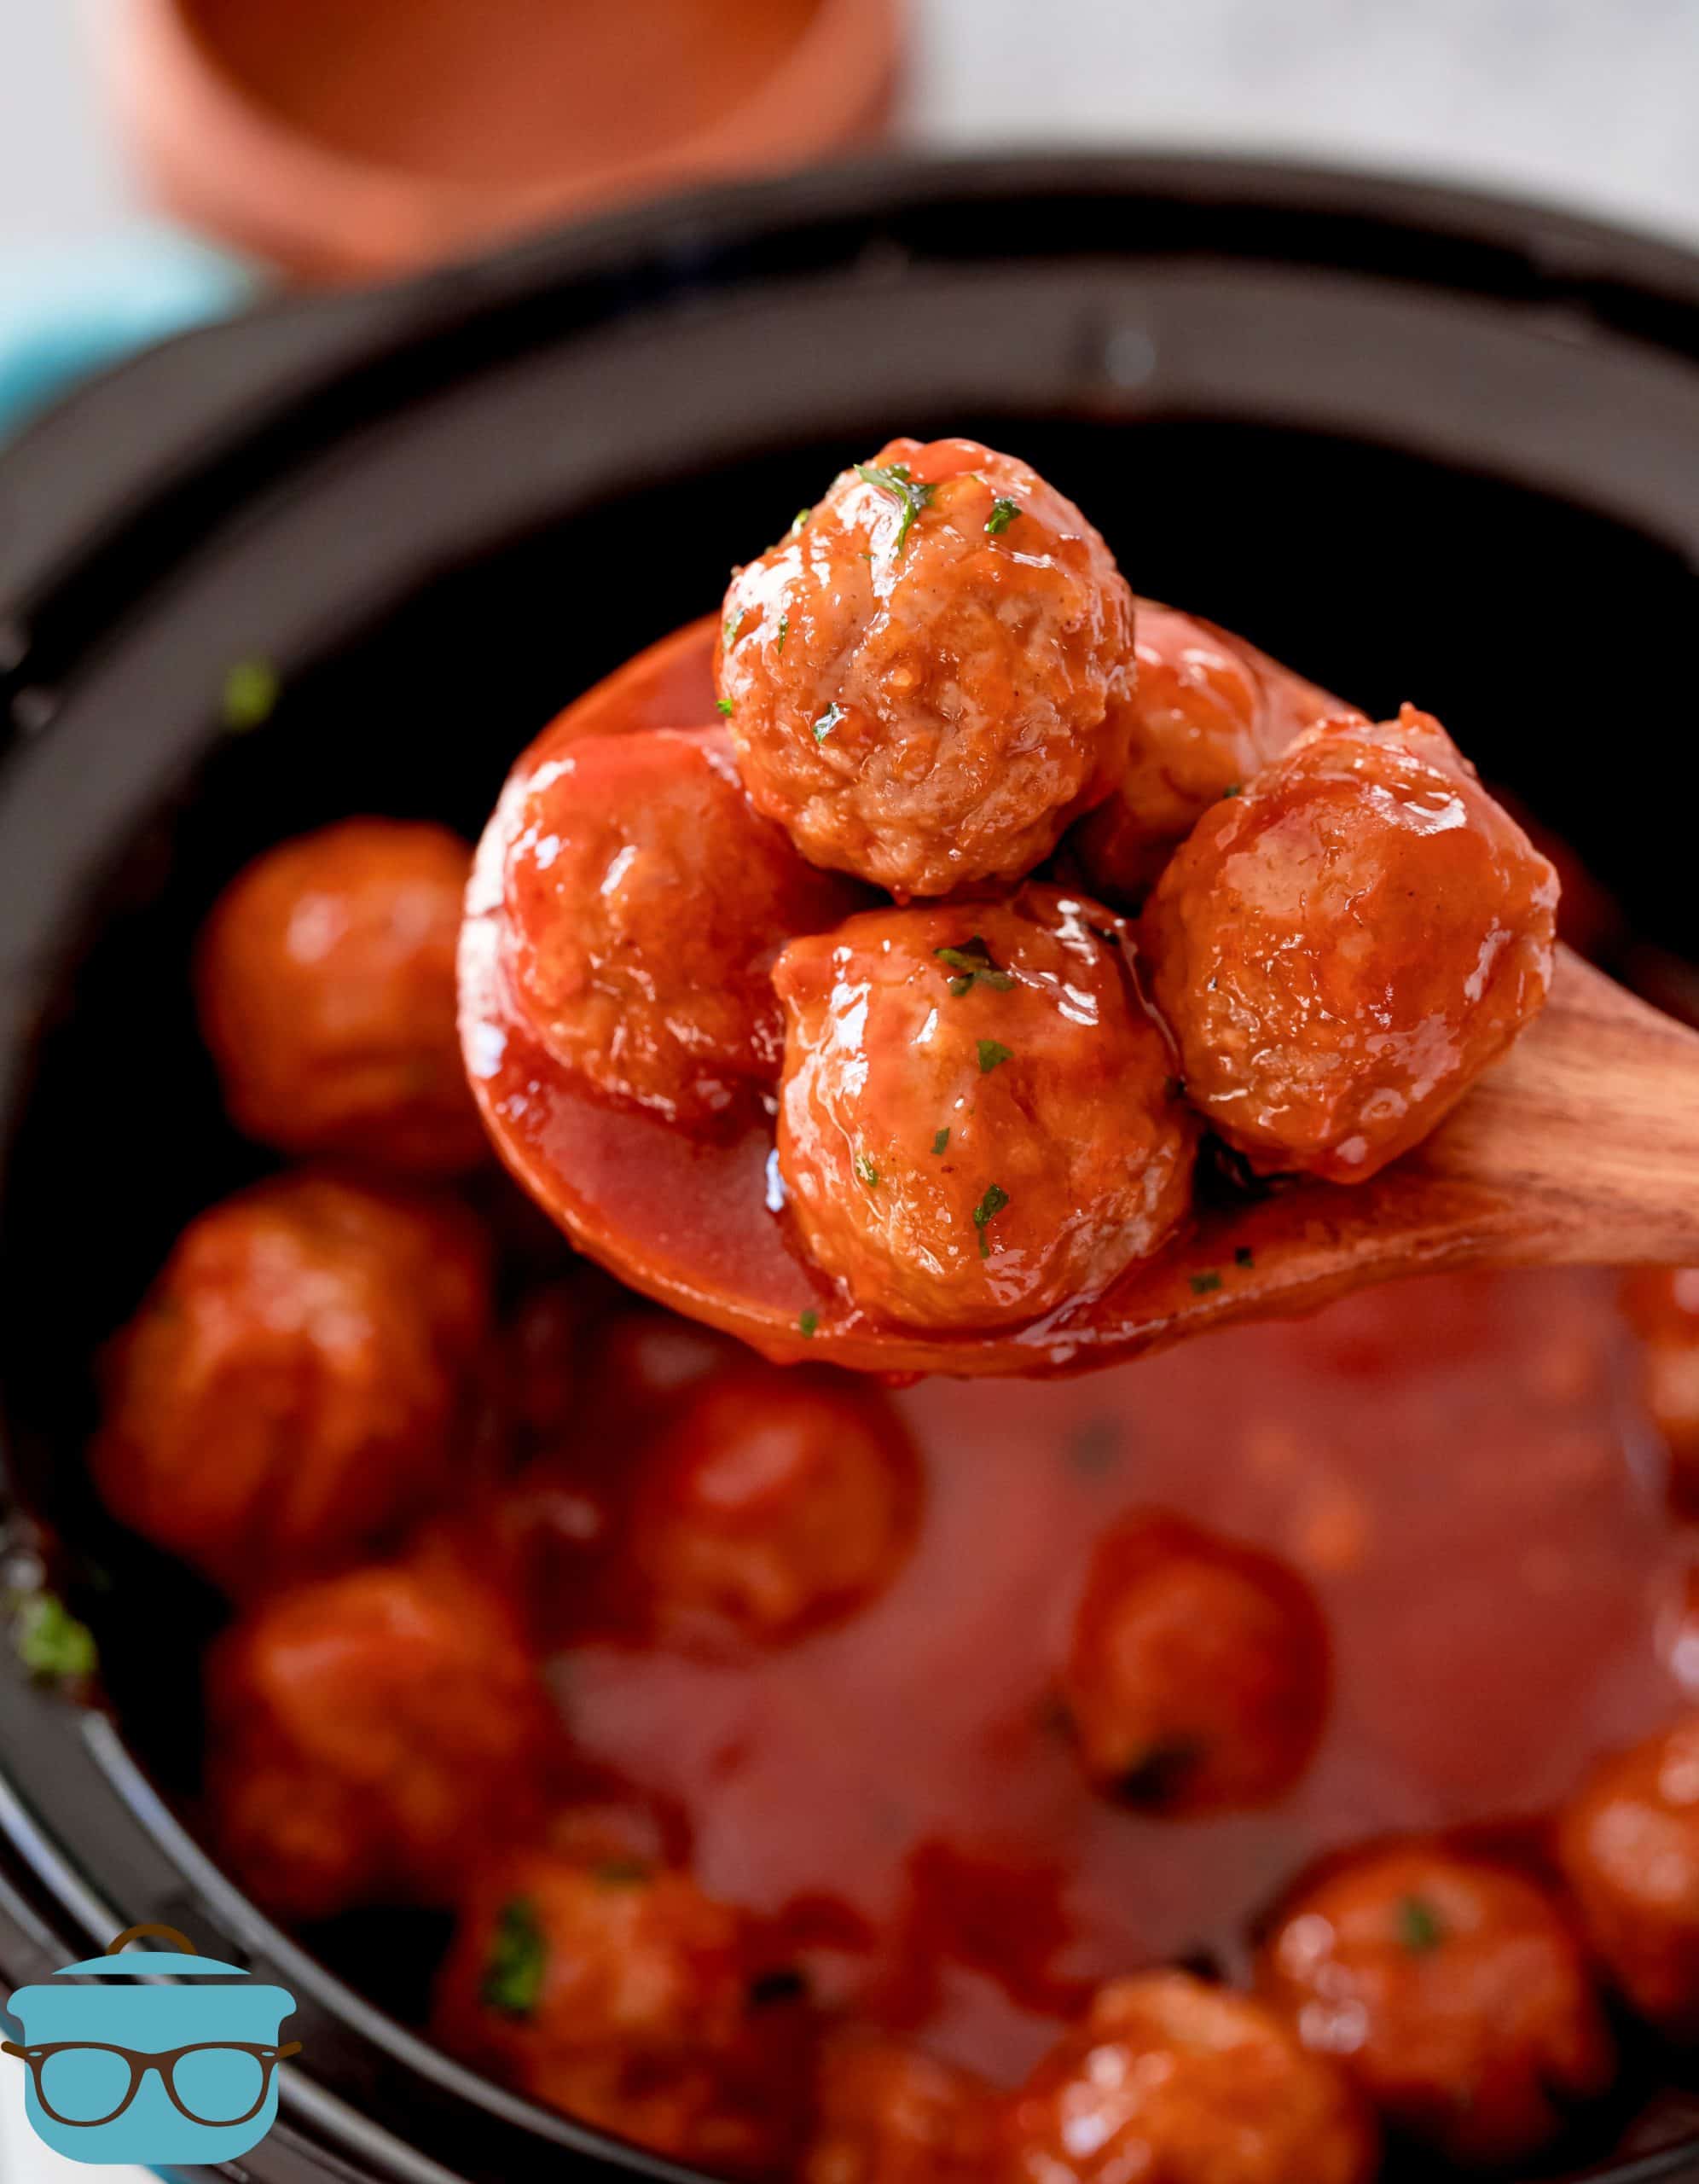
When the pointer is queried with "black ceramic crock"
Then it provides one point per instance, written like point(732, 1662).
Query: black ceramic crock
point(1417, 443)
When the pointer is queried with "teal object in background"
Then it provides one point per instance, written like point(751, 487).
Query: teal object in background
point(152, 2073)
point(67, 311)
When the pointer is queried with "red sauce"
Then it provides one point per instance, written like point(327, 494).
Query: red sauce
point(1460, 1468)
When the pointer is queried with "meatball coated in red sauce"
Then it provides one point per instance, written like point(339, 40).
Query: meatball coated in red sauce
point(621, 1995)
point(977, 1121)
point(927, 679)
point(368, 1736)
point(891, 2114)
point(1343, 948)
point(776, 1501)
point(1453, 1993)
point(1628, 1843)
point(1173, 2082)
point(646, 900)
point(1202, 725)
point(1662, 1305)
point(1197, 1677)
point(325, 978)
point(292, 1388)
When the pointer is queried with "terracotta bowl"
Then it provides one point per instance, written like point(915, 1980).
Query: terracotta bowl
point(344, 142)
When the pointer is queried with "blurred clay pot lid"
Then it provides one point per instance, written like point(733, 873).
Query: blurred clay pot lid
point(344, 139)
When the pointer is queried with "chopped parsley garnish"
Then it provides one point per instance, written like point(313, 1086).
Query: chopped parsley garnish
point(974, 961)
point(941, 1141)
point(1418, 1926)
point(807, 1324)
point(250, 693)
point(784, 632)
point(723, 705)
point(991, 1052)
point(1244, 1256)
point(1003, 513)
point(734, 623)
point(865, 1170)
point(995, 1198)
point(1202, 1284)
point(828, 721)
point(895, 482)
point(621, 1873)
point(50, 1643)
point(1235, 789)
point(517, 1958)
point(800, 520)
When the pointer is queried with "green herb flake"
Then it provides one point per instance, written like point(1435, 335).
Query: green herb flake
point(1003, 513)
point(734, 623)
point(51, 1643)
point(829, 720)
point(723, 705)
point(899, 487)
point(865, 1170)
point(1202, 1284)
point(1244, 1256)
point(252, 688)
point(1235, 789)
point(807, 1324)
point(995, 1198)
point(991, 1052)
point(940, 1143)
point(1418, 1926)
point(784, 632)
point(974, 961)
point(518, 1957)
point(800, 520)
point(621, 1873)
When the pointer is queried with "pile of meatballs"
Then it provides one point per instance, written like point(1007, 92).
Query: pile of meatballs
point(373, 1403)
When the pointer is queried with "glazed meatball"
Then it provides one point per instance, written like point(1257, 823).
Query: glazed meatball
point(1173, 2082)
point(1451, 1990)
point(325, 978)
point(929, 678)
point(1628, 1843)
point(291, 1389)
point(1197, 1676)
point(1340, 950)
point(1662, 1305)
point(646, 900)
point(775, 1502)
point(1202, 725)
point(977, 1121)
point(620, 1994)
point(368, 1736)
point(891, 2114)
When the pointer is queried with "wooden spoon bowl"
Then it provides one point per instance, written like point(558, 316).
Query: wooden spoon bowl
point(1581, 1147)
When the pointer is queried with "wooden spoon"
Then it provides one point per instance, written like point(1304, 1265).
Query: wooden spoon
point(1581, 1147)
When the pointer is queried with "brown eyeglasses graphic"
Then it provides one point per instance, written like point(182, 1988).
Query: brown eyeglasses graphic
point(76, 2080)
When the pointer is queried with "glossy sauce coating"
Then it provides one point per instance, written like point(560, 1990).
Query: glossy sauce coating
point(1662, 1303)
point(928, 678)
point(1453, 1991)
point(292, 1388)
point(977, 1121)
point(370, 1735)
point(1629, 1843)
point(1343, 948)
point(1196, 1675)
point(645, 901)
point(1173, 2082)
point(325, 979)
point(1205, 716)
point(889, 2113)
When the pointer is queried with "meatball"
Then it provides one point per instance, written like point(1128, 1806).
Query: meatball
point(977, 1121)
point(325, 978)
point(1451, 1990)
point(620, 1994)
point(646, 900)
point(929, 678)
point(1628, 1843)
point(1662, 1305)
point(774, 1502)
point(891, 2114)
point(368, 1736)
point(1200, 727)
point(1177, 2083)
point(291, 1390)
point(1197, 1677)
point(1342, 950)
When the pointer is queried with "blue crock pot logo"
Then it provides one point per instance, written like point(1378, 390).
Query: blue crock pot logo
point(150, 2073)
